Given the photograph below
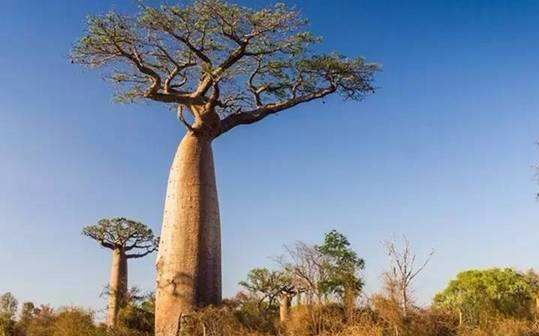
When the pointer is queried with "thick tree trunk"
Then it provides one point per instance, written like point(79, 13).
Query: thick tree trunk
point(189, 260)
point(284, 307)
point(117, 286)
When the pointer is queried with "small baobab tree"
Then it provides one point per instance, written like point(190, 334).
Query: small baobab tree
point(219, 65)
point(268, 287)
point(127, 239)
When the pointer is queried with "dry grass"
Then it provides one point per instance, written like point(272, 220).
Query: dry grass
point(381, 319)
point(329, 321)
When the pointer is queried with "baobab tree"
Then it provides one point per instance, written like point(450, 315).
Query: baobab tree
point(127, 239)
point(271, 286)
point(219, 65)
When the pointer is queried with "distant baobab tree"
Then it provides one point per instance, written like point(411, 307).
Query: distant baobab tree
point(271, 286)
point(219, 65)
point(127, 239)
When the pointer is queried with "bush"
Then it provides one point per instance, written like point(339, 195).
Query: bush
point(503, 327)
point(74, 321)
point(215, 321)
point(315, 320)
point(254, 315)
point(135, 320)
point(42, 322)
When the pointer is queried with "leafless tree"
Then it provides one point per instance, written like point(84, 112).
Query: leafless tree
point(308, 271)
point(306, 264)
point(404, 268)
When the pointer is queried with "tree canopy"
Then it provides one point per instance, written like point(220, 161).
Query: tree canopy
point(342, 263)
point(123, 233)
point(476, 293)
point(8, 308)
point(209, 55)
point(267, 285)
point(8, 305)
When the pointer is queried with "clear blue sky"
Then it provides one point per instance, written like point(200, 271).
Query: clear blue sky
point(443, 152)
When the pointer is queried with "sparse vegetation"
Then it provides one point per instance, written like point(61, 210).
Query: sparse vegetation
point(492, 302)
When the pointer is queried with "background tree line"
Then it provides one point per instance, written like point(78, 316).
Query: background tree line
point(315, 289)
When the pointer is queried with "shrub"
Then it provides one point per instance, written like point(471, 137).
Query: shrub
point(73, 321)
point(315, 320)
point(214, 321)
point(42, 322)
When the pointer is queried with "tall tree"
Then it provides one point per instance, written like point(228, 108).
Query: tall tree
point(227, 66)
point(127, 239)
point(343, 266)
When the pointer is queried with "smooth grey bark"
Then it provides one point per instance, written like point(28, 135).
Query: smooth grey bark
point(189, 259)
point(117, 286)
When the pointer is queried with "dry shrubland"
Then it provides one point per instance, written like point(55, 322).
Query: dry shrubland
point(314, 291)
point(241, 316)
point(330, 321)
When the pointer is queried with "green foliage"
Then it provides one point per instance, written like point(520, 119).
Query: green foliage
point(342, 263)
point(137, 317)
point(123, 233)
point(8, 306)
point(480, 293)
point(242, 316)
point(73, 321)
point(252, 313)
point(27, 314)
point(243, 62)
point(7, 327)
point(266, 285)
point(42, 322)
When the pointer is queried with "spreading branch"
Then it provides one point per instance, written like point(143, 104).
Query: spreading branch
point(219, 58)
point(124, 234)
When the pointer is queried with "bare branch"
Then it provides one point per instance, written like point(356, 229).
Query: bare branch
point(402, 272)
point(250, 117)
